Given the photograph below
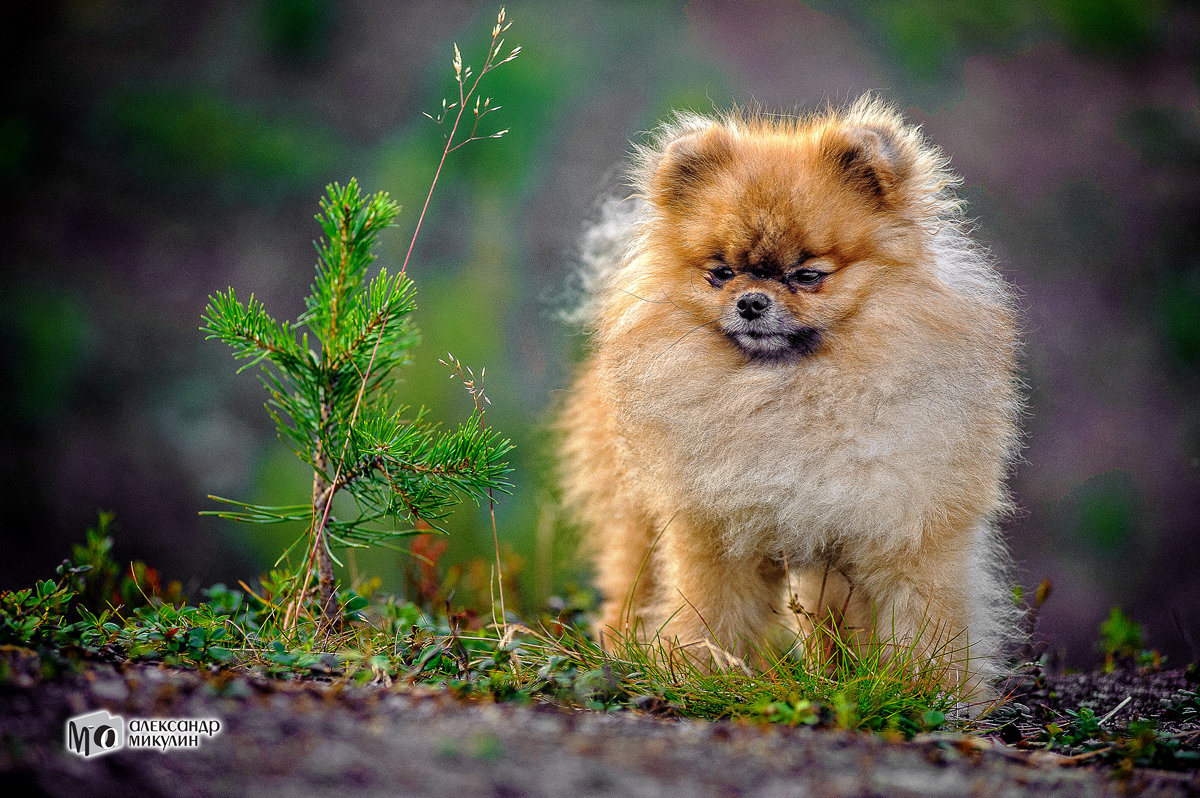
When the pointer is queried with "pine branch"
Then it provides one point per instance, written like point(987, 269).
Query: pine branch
point(379, 326)
point(251, 332)
point(351, 227)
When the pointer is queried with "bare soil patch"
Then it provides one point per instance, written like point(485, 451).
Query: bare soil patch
point(321, 738)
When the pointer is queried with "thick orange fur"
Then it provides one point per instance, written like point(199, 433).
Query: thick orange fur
point(861, 425)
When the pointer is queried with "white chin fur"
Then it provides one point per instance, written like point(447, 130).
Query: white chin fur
point(768, 345)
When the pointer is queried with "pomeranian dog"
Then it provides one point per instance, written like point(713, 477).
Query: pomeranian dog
point(800, 404)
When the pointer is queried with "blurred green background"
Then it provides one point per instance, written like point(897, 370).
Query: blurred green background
point(153, 153)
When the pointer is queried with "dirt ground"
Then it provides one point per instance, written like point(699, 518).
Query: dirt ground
point(315, 738)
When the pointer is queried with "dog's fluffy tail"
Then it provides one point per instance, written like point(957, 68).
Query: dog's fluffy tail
point(604, 246)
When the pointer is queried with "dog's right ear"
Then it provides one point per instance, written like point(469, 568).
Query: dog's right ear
point(687, 162)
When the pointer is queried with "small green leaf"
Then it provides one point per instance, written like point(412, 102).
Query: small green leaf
point(220, 654)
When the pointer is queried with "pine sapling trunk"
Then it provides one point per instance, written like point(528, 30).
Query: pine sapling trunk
point(321, 501)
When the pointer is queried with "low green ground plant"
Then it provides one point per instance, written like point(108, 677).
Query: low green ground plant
point(1139, 742)
point(1121, 639)
point(383, 640)
point(387, 641)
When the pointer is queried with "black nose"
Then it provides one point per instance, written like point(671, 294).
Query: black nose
point(751, 306)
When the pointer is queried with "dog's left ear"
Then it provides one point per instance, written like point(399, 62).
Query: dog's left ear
point(872, 160)
point(687, 163)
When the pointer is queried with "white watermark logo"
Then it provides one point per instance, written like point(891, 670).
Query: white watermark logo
point(95, 733)
point(99, 733)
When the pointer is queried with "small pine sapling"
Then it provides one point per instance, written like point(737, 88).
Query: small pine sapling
point(330, 394)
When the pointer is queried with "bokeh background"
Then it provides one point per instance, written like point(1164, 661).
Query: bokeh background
point(153, 153)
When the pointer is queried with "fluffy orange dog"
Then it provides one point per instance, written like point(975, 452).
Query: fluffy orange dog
point(801, 367)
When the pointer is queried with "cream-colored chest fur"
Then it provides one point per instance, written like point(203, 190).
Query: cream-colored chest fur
point(799, 457)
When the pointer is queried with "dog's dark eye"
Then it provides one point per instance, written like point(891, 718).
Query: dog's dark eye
point(720, 274)
point(806, 276)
